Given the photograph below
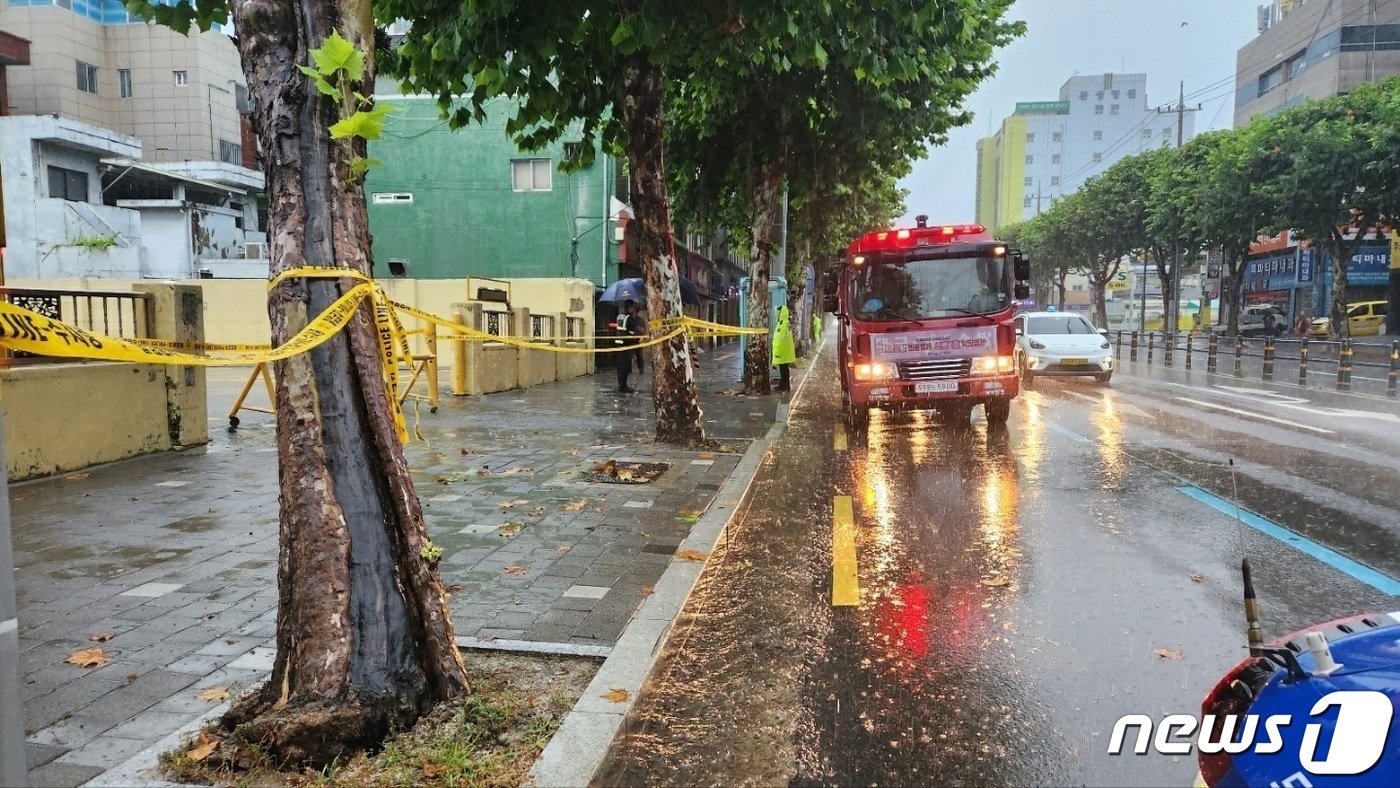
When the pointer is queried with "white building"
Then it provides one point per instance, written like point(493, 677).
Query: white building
point(1047, 149)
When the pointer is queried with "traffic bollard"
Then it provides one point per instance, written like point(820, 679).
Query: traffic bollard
point(1393, 377)
point(1212, 353)
point(1269, 358)
point(1239, 357)
point(1132, 349)
point(1344, 366)
point(1151, 340)
point(1190, 340)
point(1303, 361)
point(1118, 346)
point(1168, 347)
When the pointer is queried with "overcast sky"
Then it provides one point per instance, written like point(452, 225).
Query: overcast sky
point(1065, 37)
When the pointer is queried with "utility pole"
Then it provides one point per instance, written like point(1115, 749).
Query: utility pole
point(1173, 304)
point(13, 770)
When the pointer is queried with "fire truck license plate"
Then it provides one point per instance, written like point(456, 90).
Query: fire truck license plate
point(936, 387)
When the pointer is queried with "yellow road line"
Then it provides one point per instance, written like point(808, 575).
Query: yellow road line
point(845, 586)
point(839, 442)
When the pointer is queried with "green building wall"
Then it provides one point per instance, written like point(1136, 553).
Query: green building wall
point(443, 202)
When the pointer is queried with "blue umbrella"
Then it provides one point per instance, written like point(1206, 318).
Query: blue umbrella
point(635, 289)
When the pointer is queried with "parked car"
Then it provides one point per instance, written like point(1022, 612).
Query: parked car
point(1061, 343)
point(1367, 319)
point(1260, 320)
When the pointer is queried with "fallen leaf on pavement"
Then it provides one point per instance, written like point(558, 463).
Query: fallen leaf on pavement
point(102, 637)
point(691, 555)
point(1168, 653)
point(564, 548)
point(648, 590)
point(730, 393)
point(538, 511)
point(465, 450)
point(512, 504)
point(76, 477)
point(575, 506)
point(1198, 578)
point(522, 469)
point(705, 455)
point(511, 529)
point(995, 582)
point(130, 677)
point(690, 516)
point(616, 695)
point(515, 569)
point(213, 694)
point(203, 747)
point(87, 658)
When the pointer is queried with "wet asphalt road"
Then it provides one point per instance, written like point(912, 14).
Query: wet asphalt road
point(1019, 590)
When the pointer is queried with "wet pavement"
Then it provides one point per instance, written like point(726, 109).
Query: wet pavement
point(170, 560)
point(1019, 590)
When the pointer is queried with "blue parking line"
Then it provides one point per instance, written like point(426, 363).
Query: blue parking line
point(1071, 434)
point(1377, 580)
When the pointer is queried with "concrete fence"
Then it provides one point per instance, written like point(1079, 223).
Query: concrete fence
point(62, 416)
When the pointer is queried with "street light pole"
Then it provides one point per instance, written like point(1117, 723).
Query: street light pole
point(13, 770)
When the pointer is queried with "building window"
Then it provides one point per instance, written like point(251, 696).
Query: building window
point(1026, 203)
point(1030, 160)
point(1098, 109)
point(1098, 135)
point(1098, 157)
point(1270, 80)
point(1147, 134)
point(1099, 95)
point(531, 175)
point(124, 82)
point(1113, 110)
point(1083, 95)
point(65, 184)
point(1054, 180)
point(1115, 94)
point(1029, 181)
point(1057, 137)
point(1030, 136)
point(182, 78)
point(392, 198)
point(240, 99)
point(1054, 158)
point(87, 77)
point(230, 152)
point(1132, 93)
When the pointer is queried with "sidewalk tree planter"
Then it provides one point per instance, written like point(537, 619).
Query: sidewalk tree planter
point(364, 642)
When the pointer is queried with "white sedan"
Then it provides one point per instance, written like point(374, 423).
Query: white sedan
point(1061, 343)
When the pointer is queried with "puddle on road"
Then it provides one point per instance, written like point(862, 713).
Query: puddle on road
point(197, 524)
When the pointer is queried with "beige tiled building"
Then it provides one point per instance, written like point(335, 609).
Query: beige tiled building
point(90, 61)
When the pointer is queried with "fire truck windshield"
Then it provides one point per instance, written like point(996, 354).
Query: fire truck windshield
point(894, 291)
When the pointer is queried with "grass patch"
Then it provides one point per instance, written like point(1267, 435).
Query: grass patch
point(488, 740)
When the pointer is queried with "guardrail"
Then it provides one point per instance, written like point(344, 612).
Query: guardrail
point(1303, 353)
point(111, 313)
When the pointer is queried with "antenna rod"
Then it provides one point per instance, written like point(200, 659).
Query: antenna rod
point(1251, 610)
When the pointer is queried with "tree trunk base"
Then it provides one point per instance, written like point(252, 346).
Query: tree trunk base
point(312, 733)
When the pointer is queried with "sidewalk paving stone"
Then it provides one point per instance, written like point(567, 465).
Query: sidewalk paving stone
point(176, 554)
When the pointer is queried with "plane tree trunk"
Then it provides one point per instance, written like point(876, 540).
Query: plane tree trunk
point(767, 204)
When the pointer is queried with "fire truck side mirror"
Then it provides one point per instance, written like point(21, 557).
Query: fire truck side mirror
point(1022, 292)
point(1021, 267)
point(830, 302)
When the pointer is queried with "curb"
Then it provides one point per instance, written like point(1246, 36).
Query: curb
point(578, 748)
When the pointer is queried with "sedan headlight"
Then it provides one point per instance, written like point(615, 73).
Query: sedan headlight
point(875, 371)
point(993, 365)
point(1037, 344)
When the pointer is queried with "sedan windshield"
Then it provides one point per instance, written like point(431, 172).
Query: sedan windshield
point(930, 288)
point(1059, 324)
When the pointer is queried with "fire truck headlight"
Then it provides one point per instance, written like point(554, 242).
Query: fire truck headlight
point(875, 371)
point(993, 365)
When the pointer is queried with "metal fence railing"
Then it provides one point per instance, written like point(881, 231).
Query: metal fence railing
point(111, 313)
point(1345, 365)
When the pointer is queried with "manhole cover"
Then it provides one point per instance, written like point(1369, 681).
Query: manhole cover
point(614, 472)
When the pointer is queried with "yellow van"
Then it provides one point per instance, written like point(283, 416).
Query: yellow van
point(1365, 318)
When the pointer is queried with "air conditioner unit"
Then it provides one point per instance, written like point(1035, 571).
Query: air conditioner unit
point(254, 251)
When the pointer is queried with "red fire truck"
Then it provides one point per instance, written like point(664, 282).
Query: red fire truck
point(925, 321)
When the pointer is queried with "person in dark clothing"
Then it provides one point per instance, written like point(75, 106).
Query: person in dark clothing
point(629, 327)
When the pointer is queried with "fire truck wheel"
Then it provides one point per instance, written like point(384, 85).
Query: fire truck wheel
point(858, 418)
point(998, 411)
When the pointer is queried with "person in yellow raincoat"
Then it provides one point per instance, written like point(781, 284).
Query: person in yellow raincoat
point(784, 351)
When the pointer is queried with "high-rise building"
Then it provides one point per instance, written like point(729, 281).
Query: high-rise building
point(90, 61)
point(1047, 149)
point(1315, 49)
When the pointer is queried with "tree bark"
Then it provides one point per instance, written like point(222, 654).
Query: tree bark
point(767, 203)
point(364, 641)
point(673, 391)
point(1230, 291)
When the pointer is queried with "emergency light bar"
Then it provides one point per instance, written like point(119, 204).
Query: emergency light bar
point(904, 238)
